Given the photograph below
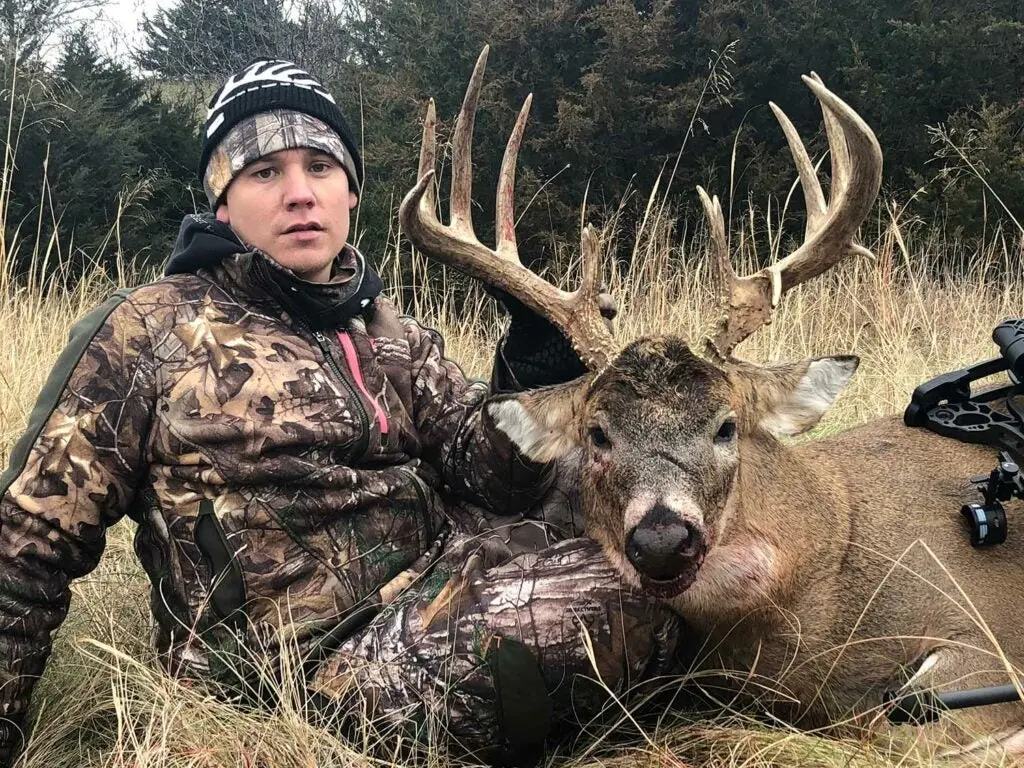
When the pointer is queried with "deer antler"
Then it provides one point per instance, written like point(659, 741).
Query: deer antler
point(747, 303)
point(577, 313)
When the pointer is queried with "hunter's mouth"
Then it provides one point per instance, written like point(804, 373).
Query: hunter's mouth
point(309, 226)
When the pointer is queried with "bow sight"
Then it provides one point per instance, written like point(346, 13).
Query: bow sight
point(946, 406)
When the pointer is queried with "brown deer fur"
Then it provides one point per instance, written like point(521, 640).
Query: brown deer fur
point(833, 568)
point(813, 577)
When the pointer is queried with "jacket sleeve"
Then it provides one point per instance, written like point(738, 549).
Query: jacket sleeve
point(71, 475)
point(477, 460)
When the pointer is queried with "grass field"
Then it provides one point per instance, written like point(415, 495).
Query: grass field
point(103, 703)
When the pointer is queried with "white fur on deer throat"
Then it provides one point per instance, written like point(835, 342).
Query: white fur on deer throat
point(733, 579)
point(817, 390)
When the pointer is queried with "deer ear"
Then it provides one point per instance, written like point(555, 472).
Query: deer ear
point(801, 406)
point(542, 423)
point(790, 398)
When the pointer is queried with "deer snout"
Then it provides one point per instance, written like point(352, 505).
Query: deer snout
point(666, 550)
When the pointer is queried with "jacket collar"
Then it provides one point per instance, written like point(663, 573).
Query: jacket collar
point(205, 244)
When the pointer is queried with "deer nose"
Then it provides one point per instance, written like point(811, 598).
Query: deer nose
point(662, 545)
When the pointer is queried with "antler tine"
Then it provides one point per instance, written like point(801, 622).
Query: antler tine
point(739, 311)
point(428, 152)
point(722, 272)
point(505, 219)
point(837, 146)
point(857, 177)
point(576, 314)
point(814, 198)
point(719, 245)
point(587, 315)
point(462, 151)
point(850, 204)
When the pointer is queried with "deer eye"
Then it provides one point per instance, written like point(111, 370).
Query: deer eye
point(727, 431)
point(599, 439)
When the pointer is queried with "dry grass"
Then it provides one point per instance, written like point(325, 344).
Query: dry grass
point(102, 703)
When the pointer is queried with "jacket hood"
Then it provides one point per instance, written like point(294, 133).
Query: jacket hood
point(202, 241)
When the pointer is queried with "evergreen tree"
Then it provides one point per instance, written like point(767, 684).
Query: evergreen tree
point(206, 39)
point(104, 149)
point(203, 41)
point(621, 86)
point(27, 26)
point(625, 92)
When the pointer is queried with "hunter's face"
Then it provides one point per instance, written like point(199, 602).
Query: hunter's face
point(293, 205)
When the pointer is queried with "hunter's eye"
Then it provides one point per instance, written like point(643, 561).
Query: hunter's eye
point(727, 432)
point(599, 438)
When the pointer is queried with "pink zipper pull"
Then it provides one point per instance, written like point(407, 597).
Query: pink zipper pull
point(353, 365)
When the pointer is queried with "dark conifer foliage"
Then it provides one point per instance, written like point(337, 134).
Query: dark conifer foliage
point(626, 92)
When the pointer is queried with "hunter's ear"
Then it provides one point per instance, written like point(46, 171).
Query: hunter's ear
point(542, 423)
point(791, 398)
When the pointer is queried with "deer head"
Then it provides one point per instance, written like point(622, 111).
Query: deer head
point(659, 428)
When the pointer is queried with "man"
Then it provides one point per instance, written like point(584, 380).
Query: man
point(307, 471)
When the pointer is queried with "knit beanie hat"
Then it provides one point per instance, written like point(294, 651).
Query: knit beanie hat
point(268, 106)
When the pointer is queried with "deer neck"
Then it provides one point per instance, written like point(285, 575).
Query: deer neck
point(771, 542)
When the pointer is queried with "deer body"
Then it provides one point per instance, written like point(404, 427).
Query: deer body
point(813, 578)
point(824, 589)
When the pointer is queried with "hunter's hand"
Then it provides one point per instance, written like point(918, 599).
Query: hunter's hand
point(534, 351)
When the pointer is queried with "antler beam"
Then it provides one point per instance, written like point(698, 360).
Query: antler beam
point(575, 313)
point(747, 303)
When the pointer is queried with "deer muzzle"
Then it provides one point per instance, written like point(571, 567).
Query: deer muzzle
point(666, 550)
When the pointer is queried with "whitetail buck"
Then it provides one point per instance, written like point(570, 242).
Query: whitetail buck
point(813, 577)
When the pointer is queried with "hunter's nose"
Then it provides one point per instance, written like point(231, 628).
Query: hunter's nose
point(662, 545)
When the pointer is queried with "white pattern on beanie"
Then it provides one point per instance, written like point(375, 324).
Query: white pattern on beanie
point(265, 73)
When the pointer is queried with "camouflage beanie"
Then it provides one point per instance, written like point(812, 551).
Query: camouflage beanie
point(268, 106)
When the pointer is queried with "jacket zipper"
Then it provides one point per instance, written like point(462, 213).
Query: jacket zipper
point(352, 358)
point(357, 403)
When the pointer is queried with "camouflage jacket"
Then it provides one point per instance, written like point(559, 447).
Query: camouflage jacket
point(275, 473)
